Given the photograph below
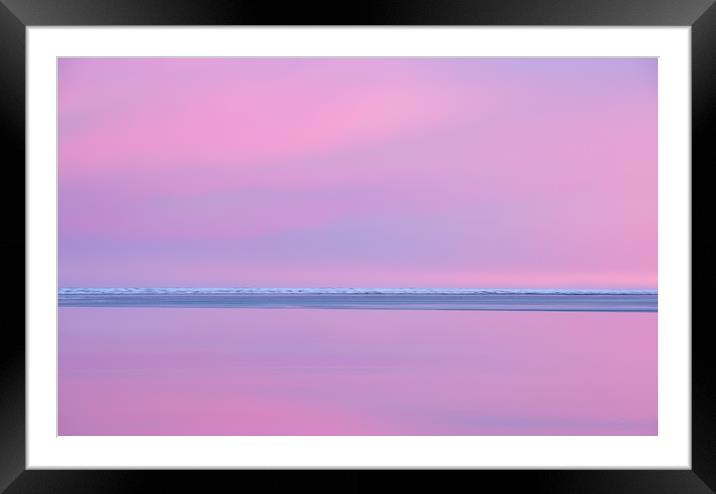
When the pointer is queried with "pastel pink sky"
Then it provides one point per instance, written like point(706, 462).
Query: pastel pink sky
point(358, 172)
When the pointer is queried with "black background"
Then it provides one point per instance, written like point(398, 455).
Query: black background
point(15, 15)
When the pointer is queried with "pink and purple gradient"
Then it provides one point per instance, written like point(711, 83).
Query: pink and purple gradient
point(358, 172)
point(523, 173)
point(356, 372)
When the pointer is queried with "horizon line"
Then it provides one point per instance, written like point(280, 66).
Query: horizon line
point(353, 289)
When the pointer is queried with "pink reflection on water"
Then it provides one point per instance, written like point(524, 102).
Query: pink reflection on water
point(356, 372)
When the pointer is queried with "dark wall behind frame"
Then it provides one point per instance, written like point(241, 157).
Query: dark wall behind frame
point(15, 15)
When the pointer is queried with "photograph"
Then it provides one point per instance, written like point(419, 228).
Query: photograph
point(357, 246)
point(401, 237)
point(404, 236)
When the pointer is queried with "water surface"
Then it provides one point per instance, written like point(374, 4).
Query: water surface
point(213, 371)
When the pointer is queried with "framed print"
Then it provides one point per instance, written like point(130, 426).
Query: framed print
point(452, 238)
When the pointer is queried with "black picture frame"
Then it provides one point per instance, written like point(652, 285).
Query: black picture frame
point(16, 15)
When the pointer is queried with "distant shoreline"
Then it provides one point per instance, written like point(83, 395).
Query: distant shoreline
point(563, 300)
point(353, 291)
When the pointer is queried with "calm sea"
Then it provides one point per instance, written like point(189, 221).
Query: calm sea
point(171, 368)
